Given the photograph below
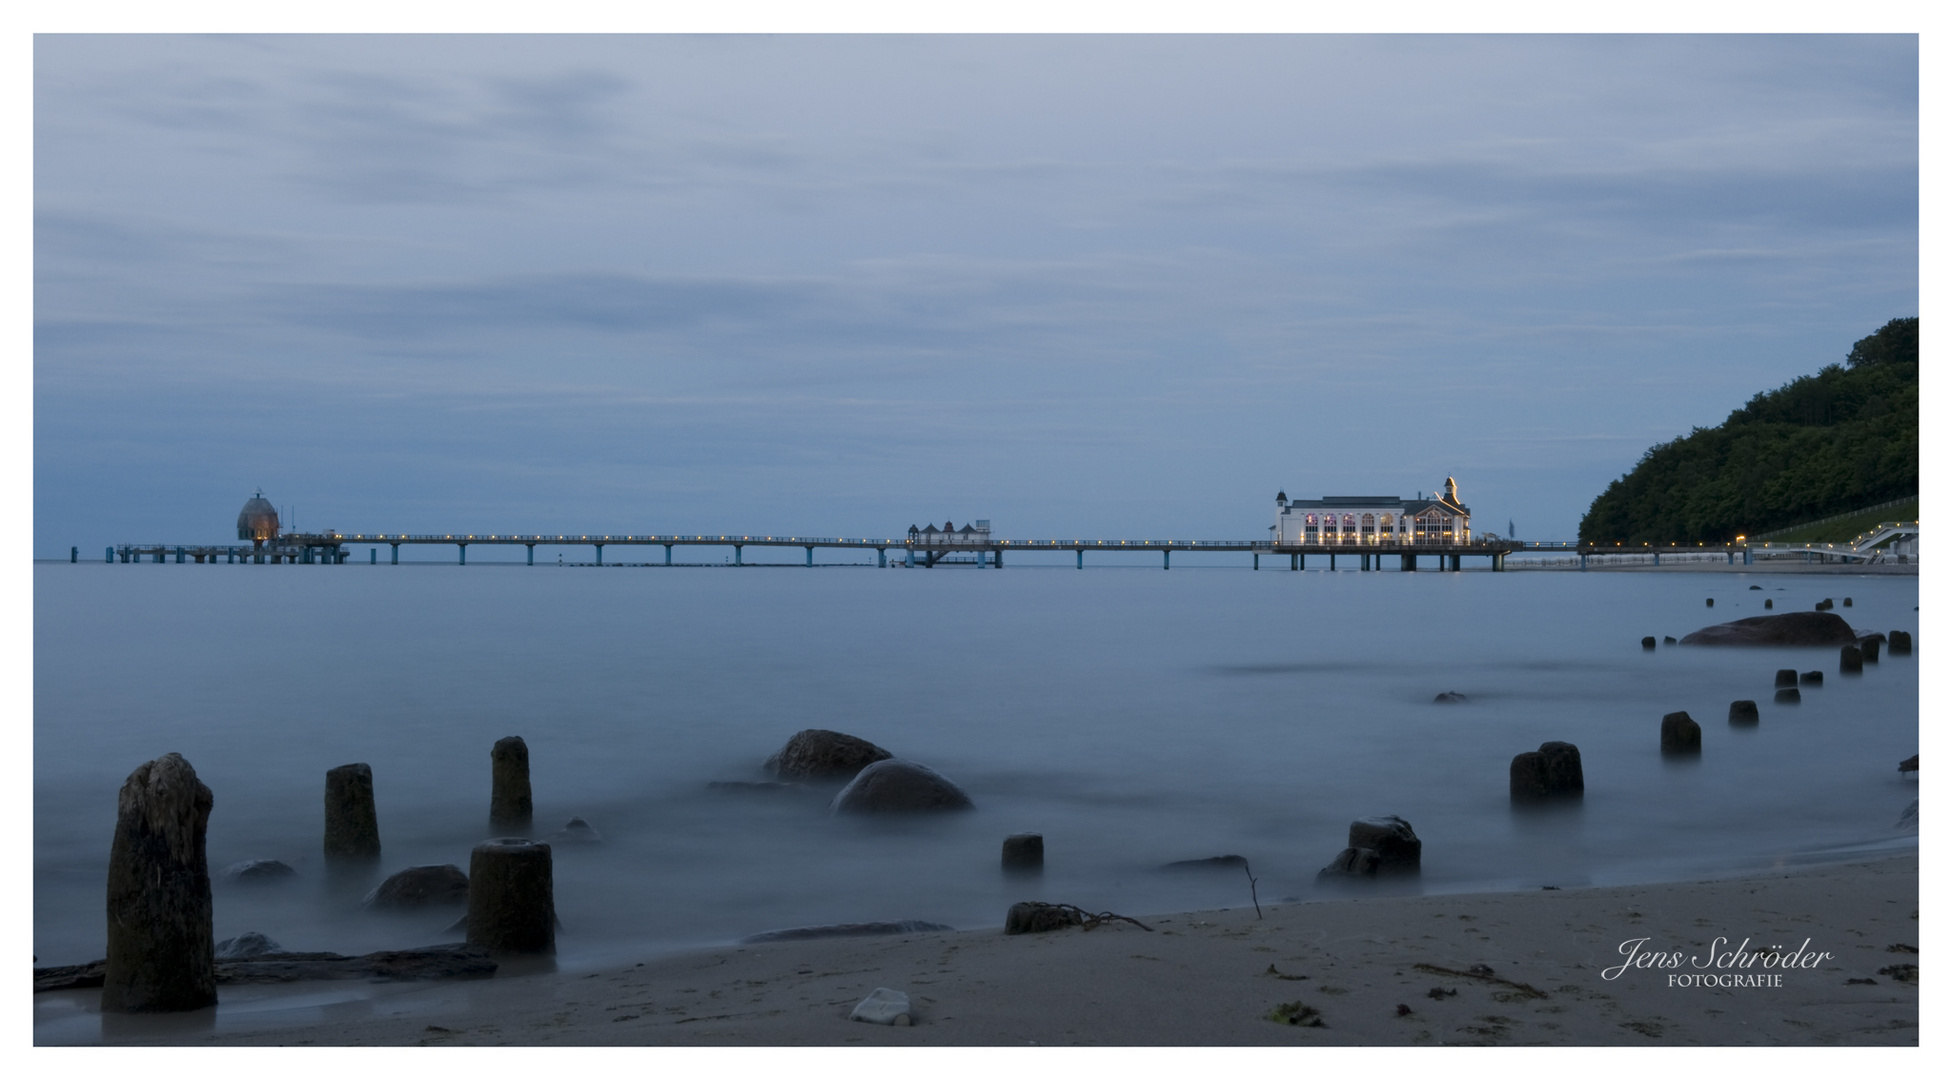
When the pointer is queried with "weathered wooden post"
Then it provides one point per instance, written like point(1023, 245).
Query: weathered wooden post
point(161, 952)
point(511, 808)
point(1743, 712)
point(1852, 661)
point(512, 896)
point(1680, 734)
point(352, 826)
point(1023, 853)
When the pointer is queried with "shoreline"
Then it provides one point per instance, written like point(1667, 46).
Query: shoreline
point(1202, 978)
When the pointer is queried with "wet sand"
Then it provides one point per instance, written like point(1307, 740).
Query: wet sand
point(1376, 971)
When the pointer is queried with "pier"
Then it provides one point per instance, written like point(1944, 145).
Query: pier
point(926, 551)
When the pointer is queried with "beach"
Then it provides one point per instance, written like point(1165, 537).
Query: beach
point(1206, 978)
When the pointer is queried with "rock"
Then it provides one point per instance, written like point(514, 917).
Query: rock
point(896, 786)
point(1909, 764)
point(70, 977)
point(884, 1006)
point(1351, 862)
point(420, 886)
point(1846, 601)
point(1900, 643)
point(1789, 628)
point(1647, 643)
point(1033, 917)
point(352, 828)
point(755, 787)
point(1908, 821)
point(161, 949)
point(1743, 712)
point(1680, 734)
point(1668, 640)
point(246, 945)
point(1755, 588)
point(1024, 852)
point(1786, 676)
point(1563, 771)
point(1789, 695)
point(1451, 697)
point(863, 929)
point(576, 832)
point(1378, 846)
point(511, 805)
point(1531, 777)
point(817, 754)
point(1812, 678)
point(1824, 604)
point(512, 896)
point(257, 872)
point(1228, 863)
point(1851, 661)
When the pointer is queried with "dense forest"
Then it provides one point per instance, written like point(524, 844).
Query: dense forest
point(1823, 444)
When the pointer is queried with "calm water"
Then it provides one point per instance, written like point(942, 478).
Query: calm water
point(1133, 717)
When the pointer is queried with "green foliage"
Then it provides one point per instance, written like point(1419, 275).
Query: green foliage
point(1823, 444)
point(1849, 528)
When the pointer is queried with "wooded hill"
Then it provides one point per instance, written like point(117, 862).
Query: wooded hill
point(1823, 444)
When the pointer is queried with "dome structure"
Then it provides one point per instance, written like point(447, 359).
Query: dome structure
point(258, 521)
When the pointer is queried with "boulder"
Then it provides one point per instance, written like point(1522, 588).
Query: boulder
point(1378, 846)
point(1743, 712)
point(896, 786)
point(1451, 697)
point(1023, 852)
point(1789, 628)
point(1033, 917)
point(884, 1006)
point(1218, 862)
point(576, 833)
point(1668, 640)
point(1552, 770)
point(246, 945)
point(1789, 695)
point(1647, 643)
point(1786, 676)
point(1851, 661)
point(817, 754)
point(257, 872)
point(420, 886)
point(1755, 588)
point(1680, 734)
point(863, 929)
point(1900, 643)
point(1812, 678)
point(1531, 777)
point(161, 951)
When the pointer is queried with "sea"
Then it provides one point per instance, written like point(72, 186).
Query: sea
point(1132, 716)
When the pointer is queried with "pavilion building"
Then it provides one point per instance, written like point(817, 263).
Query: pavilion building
point(1372, 519)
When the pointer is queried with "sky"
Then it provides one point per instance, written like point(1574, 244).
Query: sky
point(1082, 286)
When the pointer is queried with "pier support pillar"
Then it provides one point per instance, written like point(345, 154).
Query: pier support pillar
point(809, 554)
point(738, 554)
point(1080, 558)
point(1169, 558)
point(1331, 560)
point(1582, 560)
point(531, 548)
point(911, 559)
point(373, 556)
point(396, 554)
point(1257, 560)
point(599, 554)
point(1457, 563)
point(464, 554)
point(108, 555)
point(1657, 558)
point(667, 554)
point(999, 558)
point(880, 557)
point(1498, 561)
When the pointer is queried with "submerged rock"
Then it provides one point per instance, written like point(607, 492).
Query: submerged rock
point(896, 786)
point(1217, 862)
point(1789, 628)
point(1812, 678)
point(576, 833)
point(420, 886)
point(1023, 852)
point(1789, 695)
point(1450, 697)
point(1377, 846)
point(818, 754)
point(1552, 770)
point(257, 872)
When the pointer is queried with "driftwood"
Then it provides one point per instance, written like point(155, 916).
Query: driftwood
point(1035, 917)
point(1485, 975)
point(398, 965)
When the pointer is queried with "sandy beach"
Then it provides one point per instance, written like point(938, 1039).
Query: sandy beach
point(1833, 963)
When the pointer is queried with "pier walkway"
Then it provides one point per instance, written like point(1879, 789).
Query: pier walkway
point(919, 551)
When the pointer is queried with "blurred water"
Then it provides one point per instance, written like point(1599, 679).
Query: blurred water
point(1133, 717)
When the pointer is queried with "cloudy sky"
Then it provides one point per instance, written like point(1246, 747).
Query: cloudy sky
point(1081, 286)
